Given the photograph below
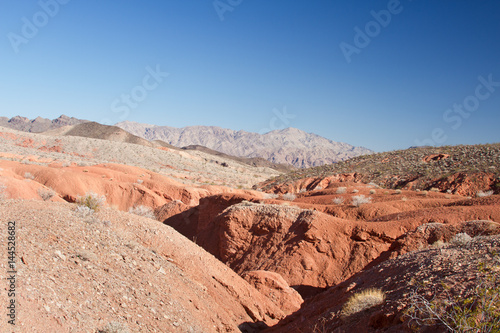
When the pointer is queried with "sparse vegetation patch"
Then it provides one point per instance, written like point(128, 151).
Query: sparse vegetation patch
point(359, 200)
point(363, 300)
point(341, 190)
point(45, 193)
point(91, 200)
point(144, 211)
point(482, 194)
point(289, 196)
point(338, 201)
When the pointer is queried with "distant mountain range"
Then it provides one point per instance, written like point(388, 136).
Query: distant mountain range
point(39, 124)
point(287, 146)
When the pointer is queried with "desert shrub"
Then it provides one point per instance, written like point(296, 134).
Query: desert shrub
point(355, 191)
point(141, 210)
point(338, 201)
point(404, 199)
point(461, 239)
point(359, 200)
point(373, 185)
point(362, 301)
point(341, 190)
point(289, 197)
point(45, 193)
point(398, 191)
point(424, 193)
point(114, 327)
point(482, 194)
point(91, 200)
point(479, 311)
point(84, 211)
point(270, 196)
point(140, 181)
point(28, 175)
point(373, 191)
point(439, 244)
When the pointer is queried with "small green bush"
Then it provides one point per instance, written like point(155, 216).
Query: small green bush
point(91, 200)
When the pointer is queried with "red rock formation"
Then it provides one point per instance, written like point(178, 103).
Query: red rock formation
point(273, 286)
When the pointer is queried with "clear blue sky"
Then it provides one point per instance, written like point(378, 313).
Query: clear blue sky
point(239, 65)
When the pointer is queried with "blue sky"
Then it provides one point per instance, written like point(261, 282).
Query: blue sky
point(381, 74)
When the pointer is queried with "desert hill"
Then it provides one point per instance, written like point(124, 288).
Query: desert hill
point(84, 128)
point(84, 273)
point(253, 161)
point(97, 131)
point(442, 276)
point(184, 166)
point(287, 146)
point(113, 133)
point(464, 169)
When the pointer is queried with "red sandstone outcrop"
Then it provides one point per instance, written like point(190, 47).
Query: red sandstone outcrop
point(276, 289)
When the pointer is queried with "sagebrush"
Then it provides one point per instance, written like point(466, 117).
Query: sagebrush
point(359, 200)
point(91, 200)
point(141, 210)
